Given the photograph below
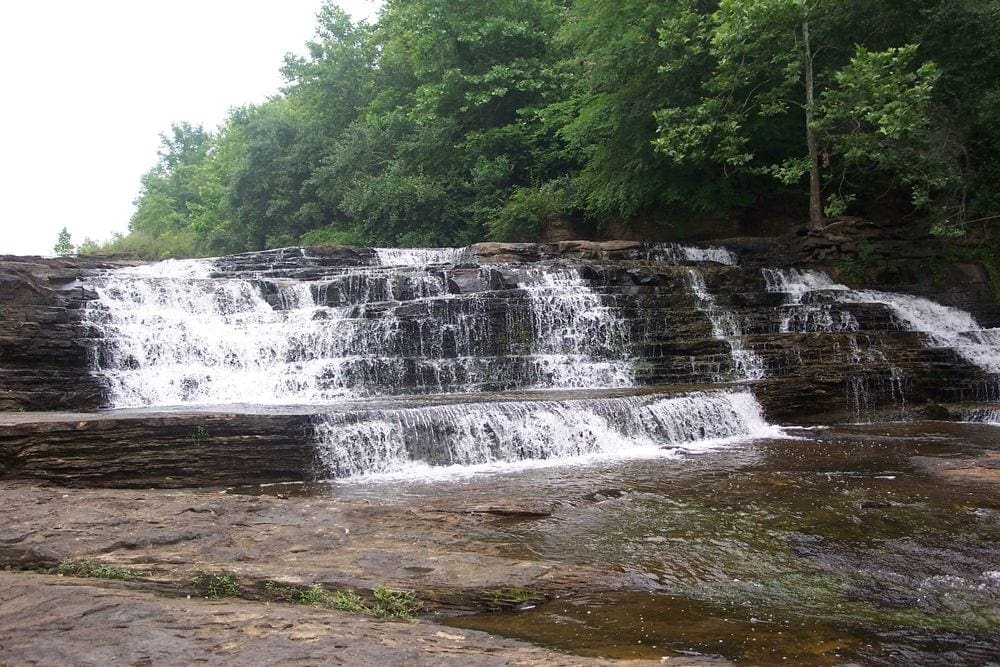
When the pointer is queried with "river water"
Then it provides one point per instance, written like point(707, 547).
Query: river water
point(841, 544)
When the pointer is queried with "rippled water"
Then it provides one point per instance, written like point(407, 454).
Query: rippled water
point(841, 545)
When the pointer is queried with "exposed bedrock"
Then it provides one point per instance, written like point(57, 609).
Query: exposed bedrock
point(141, 450)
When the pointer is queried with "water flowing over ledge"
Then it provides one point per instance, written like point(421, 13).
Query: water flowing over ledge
point(943, 326)
point(409, 442)
point(174, 335)
point(312, 327)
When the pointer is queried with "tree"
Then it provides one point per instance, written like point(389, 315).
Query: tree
point(616, 80)
point(787, 68)
point(64, 244)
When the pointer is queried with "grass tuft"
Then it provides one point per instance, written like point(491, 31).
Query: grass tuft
point(89, 568)
point(214, 586)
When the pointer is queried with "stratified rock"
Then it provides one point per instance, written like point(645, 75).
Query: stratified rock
point(156, 449)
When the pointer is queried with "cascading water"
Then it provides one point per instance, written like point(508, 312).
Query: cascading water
point(172, 336)
point(809, 307)
point(681, 254)
point(422, 256)
point(982, 416)
point(307, 334)
point(943, 326)
point(577, 337)
point(478, 433)
point(725, 326)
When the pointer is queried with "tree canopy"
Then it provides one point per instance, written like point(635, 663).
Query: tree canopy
point(449, 122)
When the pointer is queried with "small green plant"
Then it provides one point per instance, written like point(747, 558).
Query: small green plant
point(513, 596)
point(200, 435)
point(214, 586)
point(89, 568)
point(394, 604)
point(349, 601)
point(315, 596)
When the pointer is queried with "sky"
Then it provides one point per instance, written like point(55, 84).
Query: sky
point(89, 86)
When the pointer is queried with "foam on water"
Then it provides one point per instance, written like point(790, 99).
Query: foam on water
point(420, 441)
point(982, 416)
point(579, 341)
point(681, 254)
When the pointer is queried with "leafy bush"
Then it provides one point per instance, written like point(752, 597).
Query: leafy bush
point(331, 235)
point(527, 210)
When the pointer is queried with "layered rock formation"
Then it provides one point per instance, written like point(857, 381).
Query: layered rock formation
point(362, 322)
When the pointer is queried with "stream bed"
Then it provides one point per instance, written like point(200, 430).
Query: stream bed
point(874, 543)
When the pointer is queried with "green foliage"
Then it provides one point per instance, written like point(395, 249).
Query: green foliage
point(876, 118)
point(89, 568)
point(522, 217)
point(314, 596)
point(854, 269)
point(513, 596)
point(349, 601)
point(388, 604)
point(213, 585)
point(199, 436)
point(331, 235)
point(446, 122)
point(64, 243)
point(394, 605)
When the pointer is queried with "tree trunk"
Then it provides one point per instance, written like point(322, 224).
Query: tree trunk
point(816, 218)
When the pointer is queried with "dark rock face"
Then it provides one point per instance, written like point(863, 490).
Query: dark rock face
point(141, 450)
point(45, 350)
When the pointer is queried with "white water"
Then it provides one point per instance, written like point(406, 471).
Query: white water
point(943, 326)
point(983, 416)
point(680, 254)
point(725, 326)
point(174, 336)
point(422, 256)
point(802, 317)
point(579, 341)
point(408, 441)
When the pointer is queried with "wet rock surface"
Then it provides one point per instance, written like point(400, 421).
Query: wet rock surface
point(45, 351)
point(162, 450)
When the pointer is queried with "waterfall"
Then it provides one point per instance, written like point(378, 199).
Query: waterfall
point(681, 254)
point(575, 333)
point(941, 325)
point(174, 335)
point(982, 416)
point(725, 326)
point(468, 434)
point(308, 332)
point(813, 317)
point(422, 256)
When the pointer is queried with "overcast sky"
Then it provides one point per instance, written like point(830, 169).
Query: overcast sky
point(89, 86)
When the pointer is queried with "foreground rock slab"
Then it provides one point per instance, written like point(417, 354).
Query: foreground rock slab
point(45, 620)
point(440, 551)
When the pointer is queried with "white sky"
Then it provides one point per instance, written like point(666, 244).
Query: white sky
point(89, 86)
